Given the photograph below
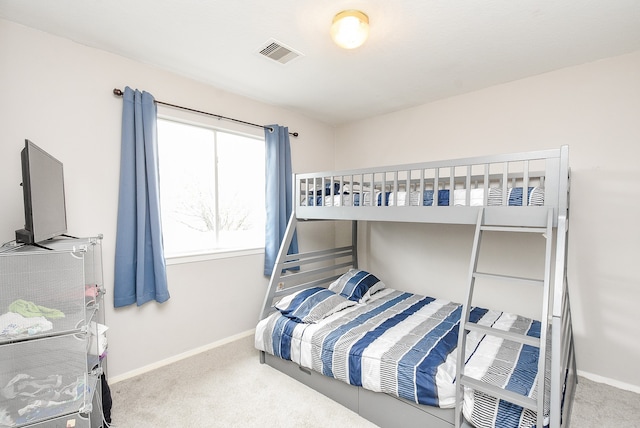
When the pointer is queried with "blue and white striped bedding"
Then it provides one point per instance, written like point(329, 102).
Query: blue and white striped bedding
point(535, 197)
point(404, 344)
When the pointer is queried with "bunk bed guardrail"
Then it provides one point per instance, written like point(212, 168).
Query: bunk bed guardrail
point(426, 192)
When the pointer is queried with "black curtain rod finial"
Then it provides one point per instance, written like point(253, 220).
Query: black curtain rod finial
point(118, 92)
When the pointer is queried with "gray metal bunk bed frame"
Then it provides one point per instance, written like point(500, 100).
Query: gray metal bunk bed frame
point(384, 194)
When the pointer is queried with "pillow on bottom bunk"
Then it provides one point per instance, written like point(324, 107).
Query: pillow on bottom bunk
point(357, 285)
point(312, 305)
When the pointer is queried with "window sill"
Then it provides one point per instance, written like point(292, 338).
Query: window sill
point(213, 255)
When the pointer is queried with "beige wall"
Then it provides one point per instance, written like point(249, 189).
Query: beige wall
point(595, 109)
point(58, 94)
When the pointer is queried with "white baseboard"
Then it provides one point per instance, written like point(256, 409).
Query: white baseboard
point(175, 358)
point(610, 382)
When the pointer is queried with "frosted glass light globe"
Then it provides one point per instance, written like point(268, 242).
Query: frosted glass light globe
point(350, 29)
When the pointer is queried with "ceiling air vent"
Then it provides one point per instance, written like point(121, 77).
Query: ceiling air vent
point(278, 52)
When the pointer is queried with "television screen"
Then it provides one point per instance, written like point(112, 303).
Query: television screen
point(43, 190)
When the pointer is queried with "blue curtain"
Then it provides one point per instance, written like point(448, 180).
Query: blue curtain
point(279, 193)
point(140, 270)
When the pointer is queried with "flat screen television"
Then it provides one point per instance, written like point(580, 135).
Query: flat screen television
point(43, 190)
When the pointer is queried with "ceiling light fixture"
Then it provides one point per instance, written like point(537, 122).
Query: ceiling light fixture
point(350, 29)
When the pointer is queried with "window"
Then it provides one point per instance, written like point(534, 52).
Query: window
point(211, 189)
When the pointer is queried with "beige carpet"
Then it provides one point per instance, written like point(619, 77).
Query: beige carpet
point(228, 387)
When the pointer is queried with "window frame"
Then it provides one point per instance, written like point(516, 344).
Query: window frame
point(212, 123)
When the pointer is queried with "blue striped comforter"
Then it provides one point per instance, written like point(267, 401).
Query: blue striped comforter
point(535, 197)
point(404, 344)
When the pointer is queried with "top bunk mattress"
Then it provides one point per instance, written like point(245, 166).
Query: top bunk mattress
point(514, 189)
point(404, 344)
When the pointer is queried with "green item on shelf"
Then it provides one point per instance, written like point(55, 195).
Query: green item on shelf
point(30, 309)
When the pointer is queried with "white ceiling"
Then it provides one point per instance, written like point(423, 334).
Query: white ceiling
point(418, 50)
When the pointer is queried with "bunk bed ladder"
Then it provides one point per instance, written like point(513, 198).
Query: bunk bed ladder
point(536, 404)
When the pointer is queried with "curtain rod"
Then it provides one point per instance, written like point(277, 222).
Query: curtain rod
point(118, 92)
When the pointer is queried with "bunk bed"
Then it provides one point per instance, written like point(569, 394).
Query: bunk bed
point(402, 359)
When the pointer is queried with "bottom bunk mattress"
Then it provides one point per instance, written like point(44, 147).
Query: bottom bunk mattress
point(404, 344)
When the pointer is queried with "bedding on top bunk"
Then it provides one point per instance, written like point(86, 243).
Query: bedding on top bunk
point(535, 197)
point(403, 344)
